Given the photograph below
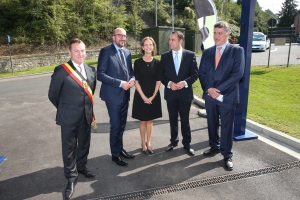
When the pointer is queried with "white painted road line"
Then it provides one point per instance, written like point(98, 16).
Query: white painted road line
point(274, 50)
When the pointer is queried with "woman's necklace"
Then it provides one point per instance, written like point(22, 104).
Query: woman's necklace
point(146, 61)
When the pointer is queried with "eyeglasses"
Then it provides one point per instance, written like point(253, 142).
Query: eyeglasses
point(148, 45)
point(120, 35)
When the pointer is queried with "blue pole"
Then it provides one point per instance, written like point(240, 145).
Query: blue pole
point(8, 41)
point(246, 34)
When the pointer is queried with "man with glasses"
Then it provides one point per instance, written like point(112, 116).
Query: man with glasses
point(115, 72)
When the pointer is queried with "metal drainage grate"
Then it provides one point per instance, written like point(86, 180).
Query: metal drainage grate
point(201, 183)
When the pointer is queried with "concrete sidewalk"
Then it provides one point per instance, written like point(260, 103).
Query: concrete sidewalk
point(33, 169)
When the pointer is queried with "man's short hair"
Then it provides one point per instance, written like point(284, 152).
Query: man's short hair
point(179, 34)
point(75, 40)
point(223, 24)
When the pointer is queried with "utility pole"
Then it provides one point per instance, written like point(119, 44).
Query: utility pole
point(172, 15)
point(156, 13)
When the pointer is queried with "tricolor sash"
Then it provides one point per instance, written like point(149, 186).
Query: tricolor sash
point(78, 79)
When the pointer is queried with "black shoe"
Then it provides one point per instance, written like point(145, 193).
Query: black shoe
point(211, 152)
point(190, 151)
point(145, 152)
point(87, 173)
point(119, 161)
point(126, 155)
point(171, 146)
point(228, 163)
point(150, 151)
point(69, 191)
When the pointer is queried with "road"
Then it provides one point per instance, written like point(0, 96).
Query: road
point(278, 55)
point(33, 169)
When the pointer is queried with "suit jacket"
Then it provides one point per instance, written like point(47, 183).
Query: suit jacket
point(110, 72)
point(187, 72)
point(72, 103)
point(228, 74)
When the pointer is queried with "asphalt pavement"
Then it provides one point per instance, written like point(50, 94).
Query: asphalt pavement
point(266, 168)
point(31, 141)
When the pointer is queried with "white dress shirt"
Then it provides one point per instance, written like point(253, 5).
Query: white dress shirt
point(82, 69)
point(179, 62)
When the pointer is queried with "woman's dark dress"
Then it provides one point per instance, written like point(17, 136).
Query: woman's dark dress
point(147, 73)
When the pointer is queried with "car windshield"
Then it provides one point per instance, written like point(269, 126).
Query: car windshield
point(258, 38)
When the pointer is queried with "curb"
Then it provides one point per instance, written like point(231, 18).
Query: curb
point(253, 126)
point(25, 75)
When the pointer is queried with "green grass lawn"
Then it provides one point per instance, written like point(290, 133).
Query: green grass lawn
point(273, 94)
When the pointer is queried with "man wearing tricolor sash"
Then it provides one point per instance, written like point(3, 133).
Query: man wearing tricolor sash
point(71, 92)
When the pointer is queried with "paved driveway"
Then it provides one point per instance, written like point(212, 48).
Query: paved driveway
point(33, 169)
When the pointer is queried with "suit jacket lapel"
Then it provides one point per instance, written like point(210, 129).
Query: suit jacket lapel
point(225, 52)
point(182, 58)
point(118, 57)
point(171, 58)
point(71, 64)
point(88, 74)
point(85, 67)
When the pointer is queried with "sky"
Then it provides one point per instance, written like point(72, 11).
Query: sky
point(273, 5)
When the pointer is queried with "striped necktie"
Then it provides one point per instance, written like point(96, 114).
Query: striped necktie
point(123, 64)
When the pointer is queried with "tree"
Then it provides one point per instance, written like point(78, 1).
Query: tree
point(287, 13)
point(135, 24)
point(260, 23)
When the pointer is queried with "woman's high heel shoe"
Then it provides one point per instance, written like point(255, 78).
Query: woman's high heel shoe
point(144, 151)
point(150, 151)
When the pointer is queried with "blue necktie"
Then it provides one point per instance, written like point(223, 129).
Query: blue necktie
point(123, 64)
point(176, 62)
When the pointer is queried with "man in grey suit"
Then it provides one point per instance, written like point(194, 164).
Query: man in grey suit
point(179, 68)
point(115, 72)
point(71, 92)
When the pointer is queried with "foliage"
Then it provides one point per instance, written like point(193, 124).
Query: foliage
point(134, 22)
point(287, 13)
point(260, 23)
point(57, 21)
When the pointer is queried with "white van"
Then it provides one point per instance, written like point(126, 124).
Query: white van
point(260, 42)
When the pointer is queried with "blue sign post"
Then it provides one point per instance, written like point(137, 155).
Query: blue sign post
point(246, 33)
point(8, 41)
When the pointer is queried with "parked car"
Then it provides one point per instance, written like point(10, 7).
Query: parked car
point(260, 42)
point(298, 39)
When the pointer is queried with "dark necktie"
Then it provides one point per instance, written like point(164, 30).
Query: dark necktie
point(123, 64)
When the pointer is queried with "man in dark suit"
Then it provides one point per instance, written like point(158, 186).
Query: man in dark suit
point(115, 72)
point(74, 104)
point(179, 73)
point(221, 69)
